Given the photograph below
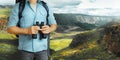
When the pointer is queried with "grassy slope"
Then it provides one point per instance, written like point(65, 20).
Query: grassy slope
point(61, 40)
point(4, 12)
point(90, 50)
point(8, 47)
point(59, 44)
point(7, 36)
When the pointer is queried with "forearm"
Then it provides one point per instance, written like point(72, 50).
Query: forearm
point(17, 30)
point(53, 27)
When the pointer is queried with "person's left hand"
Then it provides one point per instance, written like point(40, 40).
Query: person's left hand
point(45, 29)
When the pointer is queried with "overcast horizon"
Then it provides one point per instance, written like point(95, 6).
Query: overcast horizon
point(91, 7)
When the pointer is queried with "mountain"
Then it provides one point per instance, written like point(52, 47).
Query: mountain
point(82, 21)
point(6, 6)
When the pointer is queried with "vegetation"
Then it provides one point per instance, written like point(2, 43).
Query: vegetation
point(4, 12)
point(7, 36)
point(88, 50)
point(7, 48)
point(59, 44)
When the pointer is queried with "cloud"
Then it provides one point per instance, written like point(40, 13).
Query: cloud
point(63, 3)
point(95, 7)
point(92, 1)
point(99, 4)
point(91, 7)
point(7, 2)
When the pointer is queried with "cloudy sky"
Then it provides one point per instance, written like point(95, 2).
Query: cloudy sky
point(91, 7)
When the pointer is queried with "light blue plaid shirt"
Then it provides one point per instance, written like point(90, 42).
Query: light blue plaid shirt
point(29, 17)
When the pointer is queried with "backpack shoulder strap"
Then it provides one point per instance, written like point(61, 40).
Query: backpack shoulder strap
point(21, 8)
point(47, 22)
point(47, 9)
point(17, 1)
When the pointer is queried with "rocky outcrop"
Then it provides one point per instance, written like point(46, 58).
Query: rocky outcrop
point(79, 40)
point(82, 38)
point(112, 38)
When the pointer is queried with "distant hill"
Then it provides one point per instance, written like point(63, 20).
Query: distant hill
point(6, 6)
point(82, 21)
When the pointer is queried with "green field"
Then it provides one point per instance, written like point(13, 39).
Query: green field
point(59, 44)
point(4, 12)
point(7, 36)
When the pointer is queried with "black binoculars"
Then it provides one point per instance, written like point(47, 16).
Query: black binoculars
point(42, 36)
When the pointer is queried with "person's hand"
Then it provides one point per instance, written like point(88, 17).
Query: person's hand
point(33, 30)
point(45, 29)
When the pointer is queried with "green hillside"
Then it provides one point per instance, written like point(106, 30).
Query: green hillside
point(4, 12)
point(91, 49)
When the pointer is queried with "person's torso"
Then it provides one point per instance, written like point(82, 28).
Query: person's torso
point(29, 18)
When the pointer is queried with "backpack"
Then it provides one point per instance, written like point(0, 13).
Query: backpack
point(21, 8)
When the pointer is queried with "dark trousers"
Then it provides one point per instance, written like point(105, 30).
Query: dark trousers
point(24, 55)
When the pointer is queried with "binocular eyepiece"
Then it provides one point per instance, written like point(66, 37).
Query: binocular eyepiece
point(42, 36)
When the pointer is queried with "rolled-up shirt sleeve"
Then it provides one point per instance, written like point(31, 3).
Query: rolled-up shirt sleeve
point(13, 18)
point(51, 18)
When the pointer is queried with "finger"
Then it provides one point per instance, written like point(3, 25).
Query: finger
point(36, 27)
point(41, 29)
point(46, 26)
point(35, 32)
point(46, 31)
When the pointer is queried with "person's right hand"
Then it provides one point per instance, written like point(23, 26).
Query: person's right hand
point(33, 29)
